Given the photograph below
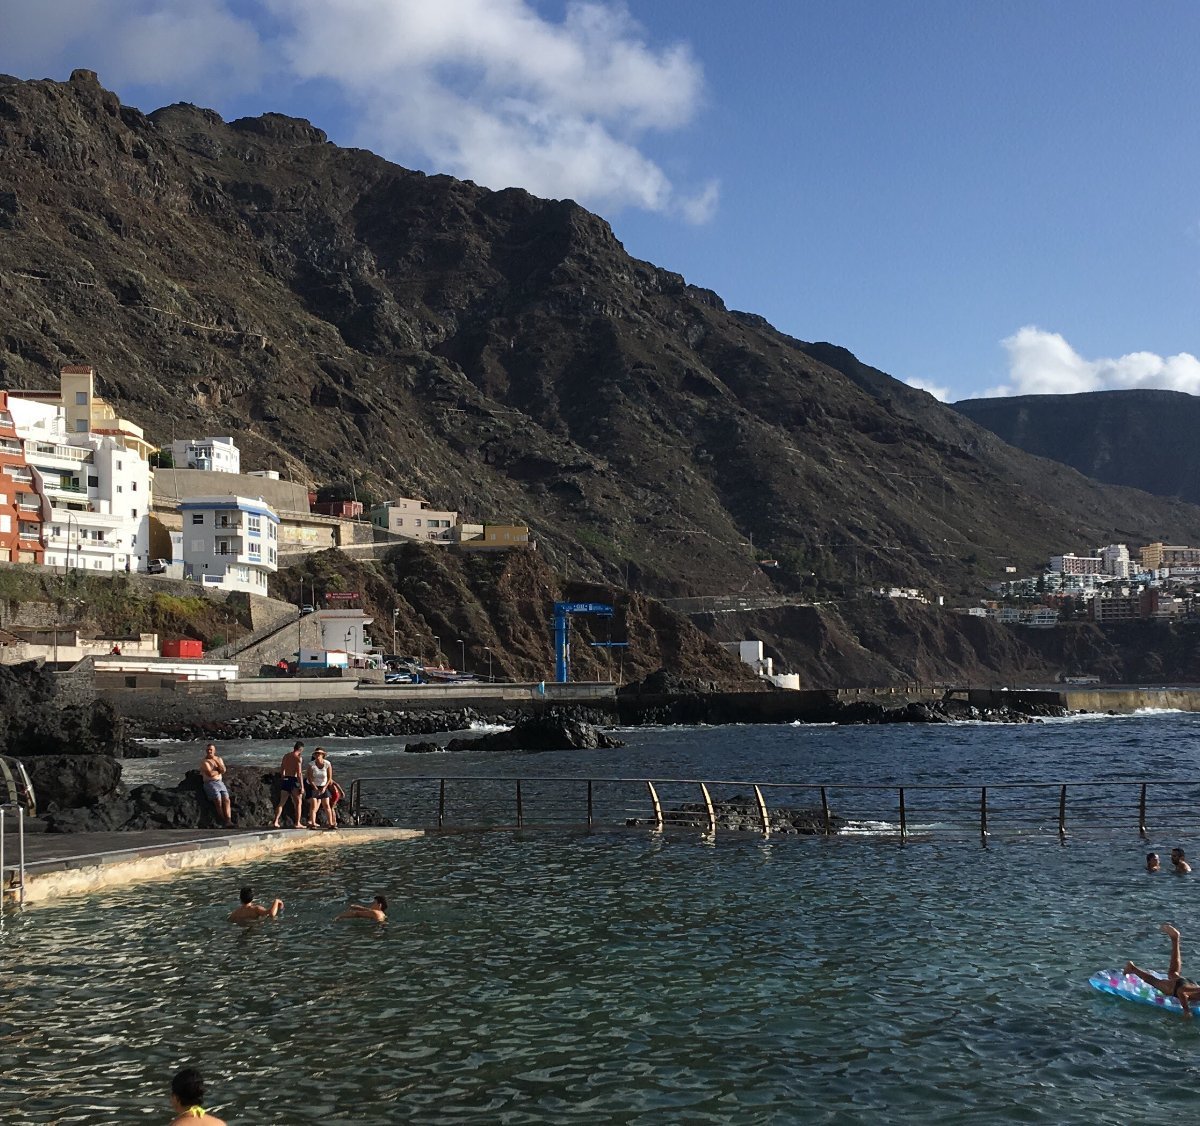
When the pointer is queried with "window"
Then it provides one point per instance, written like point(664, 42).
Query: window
point(254, 523)
point(120, 464)
point(133, 512)
point(81, 425)
point(120, 488)
point(197, 517)
point(5, 523)
point(418, 523)
point(81, 398)
point(133, 487)
point(93, 482)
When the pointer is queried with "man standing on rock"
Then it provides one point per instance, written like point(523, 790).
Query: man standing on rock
point(212, 768)
point(291, 784)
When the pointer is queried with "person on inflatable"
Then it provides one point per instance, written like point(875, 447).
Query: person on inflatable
point(1174, 984)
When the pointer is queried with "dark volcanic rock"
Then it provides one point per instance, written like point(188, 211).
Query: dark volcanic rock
point(541, 733)
point(421, 748)
point(33, 722)
point(66, 781)
point(741, 814)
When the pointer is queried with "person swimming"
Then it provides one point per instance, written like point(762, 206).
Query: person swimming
point(377, 911)
point(187, 1092)
point(1152, 862)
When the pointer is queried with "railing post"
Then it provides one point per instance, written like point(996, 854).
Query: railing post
point(825, 812)
point(589, 803)
point(762, 810)
point(1142, 811)
point(441, 802)
point(903, 816)
point(21, 841)
point(520, 806)
point(712, 814)
point(983, 829)
point(658, 814)
point(3, 885)
point(1062, 810)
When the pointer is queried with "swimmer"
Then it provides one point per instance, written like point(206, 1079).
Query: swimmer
point(377, 911)
point(187, 1092)
point(1174, 984)
point(1180, 866)
point(250, 911)
point(1152, 864)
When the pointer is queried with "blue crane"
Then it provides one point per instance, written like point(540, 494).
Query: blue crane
point(562, 632)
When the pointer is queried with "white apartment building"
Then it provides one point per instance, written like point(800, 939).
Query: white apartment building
point(1071, 564)
point(230, 542)
point(217, 455)
point(411, 517)
point(93, 489)
point(1116, 560)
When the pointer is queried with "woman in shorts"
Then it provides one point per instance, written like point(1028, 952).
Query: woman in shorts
point(319, 777)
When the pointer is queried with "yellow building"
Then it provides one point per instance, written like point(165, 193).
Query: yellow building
point(1155, 556)
point(88, 413)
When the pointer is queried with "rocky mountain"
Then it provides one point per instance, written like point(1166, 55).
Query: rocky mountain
point(1144, 439)
point(351, 321)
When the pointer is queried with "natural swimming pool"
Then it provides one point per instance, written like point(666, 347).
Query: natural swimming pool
point(623, 977)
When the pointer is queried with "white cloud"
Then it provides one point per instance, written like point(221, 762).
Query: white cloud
point(942, 394)
point(492, 91)
point(1043, 363)
point(198, 50)
point(488, 90)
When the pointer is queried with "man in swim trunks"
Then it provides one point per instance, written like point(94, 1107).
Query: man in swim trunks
point(377, 911)
point(291, 784)
point(1185, 991)
point(212, 767)
point(187, 1093)
point(1178, 865)
point(250, 911)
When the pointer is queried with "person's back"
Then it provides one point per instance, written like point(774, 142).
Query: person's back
point(249, 911)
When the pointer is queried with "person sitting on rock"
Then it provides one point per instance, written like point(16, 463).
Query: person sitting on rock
point(376, 912)
point(211, 770)
point(187, 1093)
point(1180, 866)
point(250, 911)
point(1185, 991)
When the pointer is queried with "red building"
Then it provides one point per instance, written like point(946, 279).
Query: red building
point(346, 509)
point(20, 503)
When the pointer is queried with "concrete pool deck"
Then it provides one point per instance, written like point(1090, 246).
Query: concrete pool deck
point(60, 864)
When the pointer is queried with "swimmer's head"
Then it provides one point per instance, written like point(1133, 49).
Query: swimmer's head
point(246, 895)
point(381, 903)
point(1152, 861)
point(187, 1088)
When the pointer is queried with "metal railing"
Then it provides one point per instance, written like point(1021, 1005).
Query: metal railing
point(10, 885)
point(821, 809)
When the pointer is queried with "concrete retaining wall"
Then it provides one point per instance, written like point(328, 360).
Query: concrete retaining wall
point(144, 863)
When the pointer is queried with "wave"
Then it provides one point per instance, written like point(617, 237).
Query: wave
point(488, 728)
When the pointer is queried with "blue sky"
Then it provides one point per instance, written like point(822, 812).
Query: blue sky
point(976, 198)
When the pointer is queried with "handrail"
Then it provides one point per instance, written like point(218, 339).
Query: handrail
point(5, 885)
point(996, 807)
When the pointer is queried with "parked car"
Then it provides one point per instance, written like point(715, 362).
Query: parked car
point(157, 566)
point(305, 609)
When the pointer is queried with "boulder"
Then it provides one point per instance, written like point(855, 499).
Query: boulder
point(421, 748)
point(551, 732)
point(68, 781)
point(253, 792)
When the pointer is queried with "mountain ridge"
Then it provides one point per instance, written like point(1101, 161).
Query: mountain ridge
point(350, 320)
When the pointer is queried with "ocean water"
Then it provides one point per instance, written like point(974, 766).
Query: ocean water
point(557, 975)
